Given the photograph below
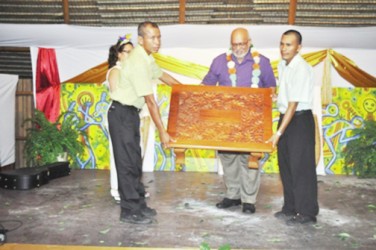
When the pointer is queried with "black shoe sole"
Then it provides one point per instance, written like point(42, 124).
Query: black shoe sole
point(232, 204)
point(307, 221)
point(283, 216)
point(247, 211)
point(149, 215)
point(141, 222)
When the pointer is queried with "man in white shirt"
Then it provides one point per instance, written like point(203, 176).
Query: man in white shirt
point(295, 136)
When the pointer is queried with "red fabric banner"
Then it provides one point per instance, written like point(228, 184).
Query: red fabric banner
point(48, 84)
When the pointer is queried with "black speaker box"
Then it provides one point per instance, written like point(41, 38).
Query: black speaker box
point(24, 178)
point(58, 169)
point(28, 178)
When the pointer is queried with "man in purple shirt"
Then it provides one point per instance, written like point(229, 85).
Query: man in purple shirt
point(240, 68)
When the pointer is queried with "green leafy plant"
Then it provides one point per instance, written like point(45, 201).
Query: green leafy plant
point(45, 141)
point(360, 155)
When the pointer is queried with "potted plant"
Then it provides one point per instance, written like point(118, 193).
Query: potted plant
point(46, 141)
point(360, 155)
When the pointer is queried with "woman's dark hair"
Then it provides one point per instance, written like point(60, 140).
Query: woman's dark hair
point(113, 53)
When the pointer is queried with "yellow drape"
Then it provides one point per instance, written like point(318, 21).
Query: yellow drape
point(326, 84)
point(344, 66)
point(181, 67)
point(348, 70)
point(93, 75)
point(312, 58)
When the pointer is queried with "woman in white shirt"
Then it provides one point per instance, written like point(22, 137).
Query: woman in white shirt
point(117, 54)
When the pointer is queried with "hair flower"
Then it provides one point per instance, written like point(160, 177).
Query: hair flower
point(125, 39)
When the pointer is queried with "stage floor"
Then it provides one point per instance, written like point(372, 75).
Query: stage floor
point(77, 210)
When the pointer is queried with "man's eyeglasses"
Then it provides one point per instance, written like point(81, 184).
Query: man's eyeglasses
point(242, 45)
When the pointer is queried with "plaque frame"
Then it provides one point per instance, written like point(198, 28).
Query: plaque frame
point(199, 97)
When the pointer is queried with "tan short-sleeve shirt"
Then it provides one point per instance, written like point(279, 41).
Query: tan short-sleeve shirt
point(137, 73)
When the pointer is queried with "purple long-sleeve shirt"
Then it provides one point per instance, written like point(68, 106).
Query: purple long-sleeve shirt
point(219, 72)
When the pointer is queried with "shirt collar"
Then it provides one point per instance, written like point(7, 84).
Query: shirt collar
point(297, 58)
point(143, 53)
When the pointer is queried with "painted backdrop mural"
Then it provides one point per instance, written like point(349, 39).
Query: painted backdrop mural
point(348, 110)
point(90, 102)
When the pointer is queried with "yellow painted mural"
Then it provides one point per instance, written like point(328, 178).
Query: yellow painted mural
point(348, 110)
point(89, 102)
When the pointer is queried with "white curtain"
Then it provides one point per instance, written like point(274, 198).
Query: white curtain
point(8, 86)
point(79, 48)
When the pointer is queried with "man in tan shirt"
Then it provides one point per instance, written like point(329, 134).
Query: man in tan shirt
point(132, 92)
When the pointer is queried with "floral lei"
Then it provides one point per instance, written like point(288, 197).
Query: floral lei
point(256, 71)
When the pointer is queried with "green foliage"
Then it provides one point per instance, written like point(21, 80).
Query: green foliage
point(344, 236)
point(225, 247)
point(205, 246)
point(45, 141)
point(360, 155)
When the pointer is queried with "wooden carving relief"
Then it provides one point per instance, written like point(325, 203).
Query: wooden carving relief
point(222, 118)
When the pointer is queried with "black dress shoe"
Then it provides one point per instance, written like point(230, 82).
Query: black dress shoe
point(226, 203)
point(135, 218)
point(148, 212)
point(301, 219)
point(249, 208)
point(284, 215)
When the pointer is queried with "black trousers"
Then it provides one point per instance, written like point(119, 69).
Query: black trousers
point(124, 127)
point(296, 159)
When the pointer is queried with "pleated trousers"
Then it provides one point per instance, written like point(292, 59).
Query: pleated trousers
point(296, 159)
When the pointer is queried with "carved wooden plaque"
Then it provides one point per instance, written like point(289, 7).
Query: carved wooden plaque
point(221, 118)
